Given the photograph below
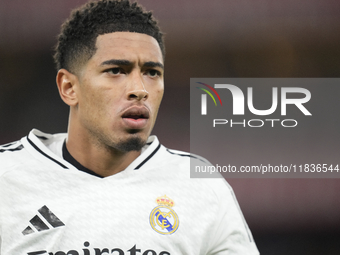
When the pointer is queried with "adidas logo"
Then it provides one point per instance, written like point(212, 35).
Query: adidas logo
point(40, 225)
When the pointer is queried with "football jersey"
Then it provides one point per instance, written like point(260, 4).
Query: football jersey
point(153, 207)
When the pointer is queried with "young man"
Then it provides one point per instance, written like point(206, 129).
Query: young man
point(107, 186)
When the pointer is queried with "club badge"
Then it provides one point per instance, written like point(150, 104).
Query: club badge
point(163, 219)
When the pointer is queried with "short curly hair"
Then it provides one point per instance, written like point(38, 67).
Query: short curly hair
point(77, 39)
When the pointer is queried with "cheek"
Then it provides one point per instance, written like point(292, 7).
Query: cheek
point(105, 106)
point(158, 95)
point(92, 104)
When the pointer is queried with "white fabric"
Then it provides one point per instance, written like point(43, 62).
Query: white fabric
point(112, 215)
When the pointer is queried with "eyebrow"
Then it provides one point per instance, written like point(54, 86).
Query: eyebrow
point(123, 62)
point(153, 64)
point(118, 62)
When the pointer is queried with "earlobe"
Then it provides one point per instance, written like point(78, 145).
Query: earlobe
point(67, 83)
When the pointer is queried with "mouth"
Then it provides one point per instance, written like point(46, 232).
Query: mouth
point(136, 117)
point(136, 113)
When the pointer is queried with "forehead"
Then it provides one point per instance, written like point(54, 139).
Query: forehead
point(129, 46)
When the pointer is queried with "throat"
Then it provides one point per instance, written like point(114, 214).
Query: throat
point(100, 163)
point(68, 157)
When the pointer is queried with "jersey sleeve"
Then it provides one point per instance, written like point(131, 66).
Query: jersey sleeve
point(230, 234)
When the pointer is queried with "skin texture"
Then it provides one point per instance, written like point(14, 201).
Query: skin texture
point(114, 101)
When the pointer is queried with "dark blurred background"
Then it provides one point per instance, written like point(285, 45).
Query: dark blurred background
point(215, 38)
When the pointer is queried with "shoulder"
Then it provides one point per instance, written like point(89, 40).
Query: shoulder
point(27, 152)
point(195, 165)
point(210, 194)
point(181, 166)
point(181, 157)
point(11, 155)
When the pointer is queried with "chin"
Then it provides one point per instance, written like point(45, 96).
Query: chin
point(133, 143)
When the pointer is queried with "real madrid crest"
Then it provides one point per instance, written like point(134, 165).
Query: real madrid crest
point(163, 218)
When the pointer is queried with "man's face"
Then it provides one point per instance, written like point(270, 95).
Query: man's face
point(120, 90)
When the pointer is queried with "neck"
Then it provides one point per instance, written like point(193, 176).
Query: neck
point(89, 152)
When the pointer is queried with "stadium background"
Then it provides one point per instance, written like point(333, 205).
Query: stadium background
point(215, 38)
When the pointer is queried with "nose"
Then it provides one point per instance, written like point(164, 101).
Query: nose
point(137, 89)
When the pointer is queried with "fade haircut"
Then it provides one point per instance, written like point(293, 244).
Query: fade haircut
point(77, 39)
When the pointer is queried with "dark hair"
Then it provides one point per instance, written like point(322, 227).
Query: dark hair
point(76, 42)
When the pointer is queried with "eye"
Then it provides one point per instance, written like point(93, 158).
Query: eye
point(153, 73)
point(114, 71)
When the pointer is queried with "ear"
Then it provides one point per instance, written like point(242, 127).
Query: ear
point(67, 85)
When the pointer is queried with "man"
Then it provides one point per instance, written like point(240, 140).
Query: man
point(107, 186)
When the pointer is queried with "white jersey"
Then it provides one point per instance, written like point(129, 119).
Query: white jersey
point(153, 207)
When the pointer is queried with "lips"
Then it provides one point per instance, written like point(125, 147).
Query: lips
point(136, 113)
point(136, 117)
